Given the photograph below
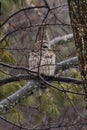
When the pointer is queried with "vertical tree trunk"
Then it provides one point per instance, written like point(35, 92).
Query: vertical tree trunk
point(78, 15)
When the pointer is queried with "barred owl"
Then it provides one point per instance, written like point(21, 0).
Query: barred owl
point(42, 60)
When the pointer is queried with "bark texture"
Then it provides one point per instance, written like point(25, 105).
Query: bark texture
point(78, 15)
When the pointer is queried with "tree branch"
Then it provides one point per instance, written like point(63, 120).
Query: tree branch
point(27, 90)
point(16, 67)
point(69, 63)
point(37, 78)
point(21, 10)
point(59, 40)
point(65, 64)
point(15, 98)
point(22, 93)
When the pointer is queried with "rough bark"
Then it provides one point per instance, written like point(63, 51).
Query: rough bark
point(78, 15)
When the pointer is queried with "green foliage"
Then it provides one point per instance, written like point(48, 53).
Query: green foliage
point(9, 89)
point(50, 102)
point(75, 74)
point(16, 116)
point(7, 57)
point(48, 105)
point(7, 5)
point(73, 98)
point(58, 96)
point(3, 74)
point(63, 99)
point(29, 101)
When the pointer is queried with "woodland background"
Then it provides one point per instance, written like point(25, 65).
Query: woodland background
point(22, 105)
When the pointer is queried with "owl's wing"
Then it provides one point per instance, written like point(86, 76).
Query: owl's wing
point(42, 62)
point(33, 61)
point(48, 63)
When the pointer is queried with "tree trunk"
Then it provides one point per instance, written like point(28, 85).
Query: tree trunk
point(78, 15)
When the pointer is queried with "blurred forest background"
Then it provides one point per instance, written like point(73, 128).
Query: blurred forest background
point(30, 100)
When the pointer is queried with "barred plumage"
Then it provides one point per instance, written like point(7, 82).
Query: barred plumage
point(42, 59)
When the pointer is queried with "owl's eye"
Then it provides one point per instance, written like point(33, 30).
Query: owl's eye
point(44, 46)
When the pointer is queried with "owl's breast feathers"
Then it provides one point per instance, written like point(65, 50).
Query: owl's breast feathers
point(44, 61)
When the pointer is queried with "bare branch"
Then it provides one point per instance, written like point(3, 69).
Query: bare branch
point(16, 67)
point(61, 90)
point(37, 77)
point(65, 64)
point(69, 63)
point(17, 96)
point(22, 93)
point(15, 124)
point(58, 40)
point(21, 10)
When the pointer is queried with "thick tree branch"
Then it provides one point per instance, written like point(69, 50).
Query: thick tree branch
point(37, 78)
point(69, 63)
point(17, 96)
point(27, 90)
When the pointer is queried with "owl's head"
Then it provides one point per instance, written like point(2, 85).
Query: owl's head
point(42, 45)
